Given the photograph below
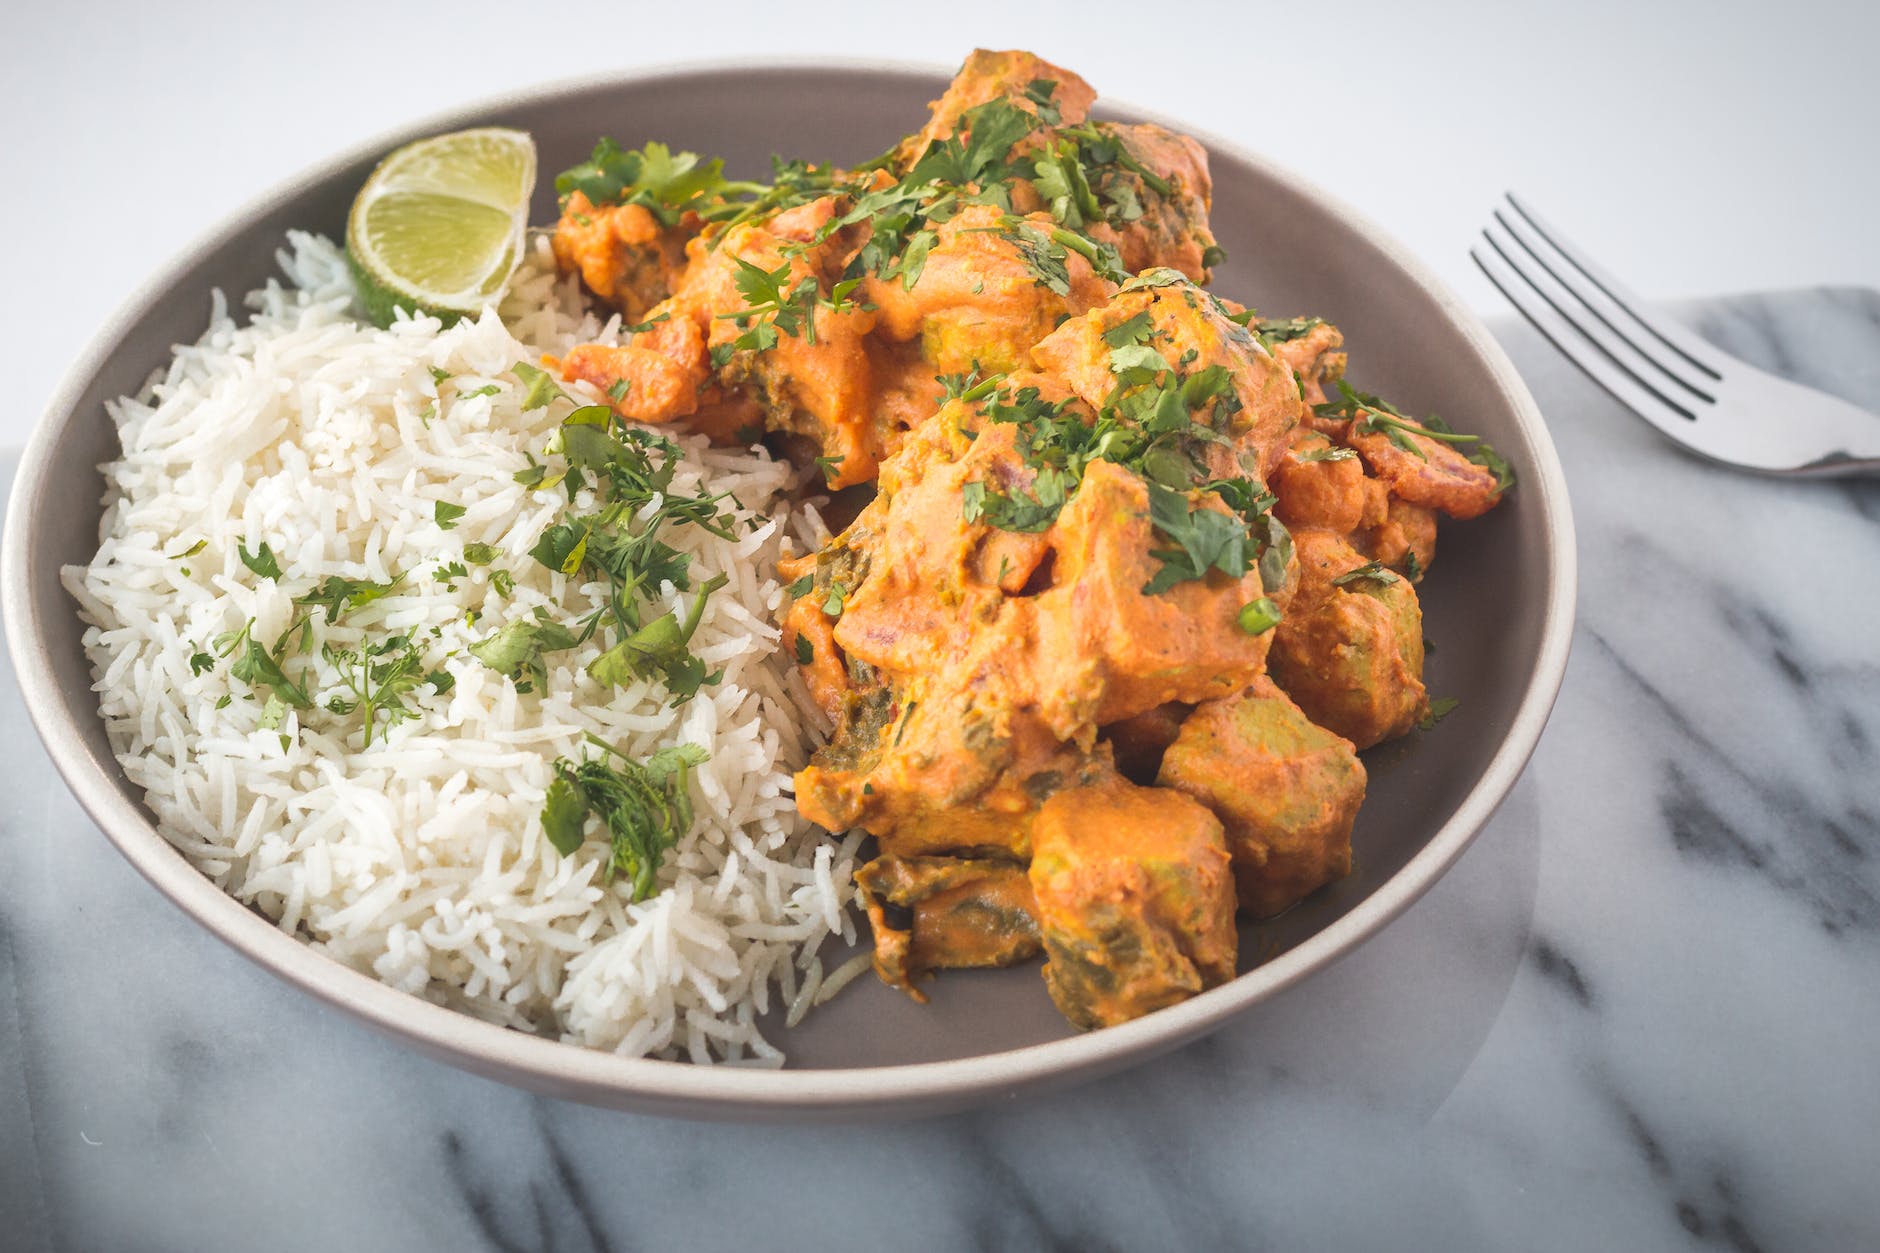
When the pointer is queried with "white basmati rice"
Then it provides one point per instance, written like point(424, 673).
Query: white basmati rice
point(420, 859)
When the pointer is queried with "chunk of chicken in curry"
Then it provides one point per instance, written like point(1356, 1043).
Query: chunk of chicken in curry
point(1138, 578)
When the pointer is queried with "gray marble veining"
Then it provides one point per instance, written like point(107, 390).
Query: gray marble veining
point(1640, 1013)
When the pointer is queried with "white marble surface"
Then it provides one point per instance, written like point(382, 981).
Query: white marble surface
point(1695, 146)
point(1640, 1013)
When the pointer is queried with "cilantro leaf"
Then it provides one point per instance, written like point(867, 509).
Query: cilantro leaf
point(978, 149)
point(336, 595)
point(564, 815)
point(1161, 276)
point(1131, 330)
point(1440, 707)
point(379, 676)
point(659, 648)
point(261, 561)
point(447, 514)
point(516, 648)
point(1027, 513)
point(539, 386)
point(1285, 330)
point(1370, 571)
point(1206, 539)
point(666, 183)
point(257, 668)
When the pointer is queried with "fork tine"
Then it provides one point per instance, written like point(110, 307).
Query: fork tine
point(1626, 359)
point(1575, 347)
point(1667, 331)
point(1661, 365)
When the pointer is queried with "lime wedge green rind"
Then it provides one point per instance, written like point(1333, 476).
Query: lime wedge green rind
point(438, 226)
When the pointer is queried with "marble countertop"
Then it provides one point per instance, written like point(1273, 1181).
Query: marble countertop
point(1641, 1012)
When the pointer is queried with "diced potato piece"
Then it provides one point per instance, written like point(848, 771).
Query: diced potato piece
point(1286, 791)
point(1351, 653)
point(928, 769)
point(1315, 491)
point(946, 913)
point(1135, 900)
point(1403, 539)
point(1110, 650)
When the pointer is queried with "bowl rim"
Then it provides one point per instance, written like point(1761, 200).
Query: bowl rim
point(730, 1091)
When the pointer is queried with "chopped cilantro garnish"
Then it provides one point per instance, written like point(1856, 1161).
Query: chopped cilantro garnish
point(335, 594)
point(379, 676)
point(1372, 415)
point(636, 328)
point(644, 807)
point(1027, 513)
point(516, 648)
point(446, 514)
point(256, 667)
point(1206, 539)
point(1440, 707)
point(968, 387)
point(666, 183)
point(1372, 571)
point(539, 386)
point(261, 561)
point(1258, 616)
point(1131, 330)
point(1284, 330)
point(659, 648)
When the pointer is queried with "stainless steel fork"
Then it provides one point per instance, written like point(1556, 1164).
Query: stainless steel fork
point(1707, 400)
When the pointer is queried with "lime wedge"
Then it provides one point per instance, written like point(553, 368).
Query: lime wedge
point(438, 226)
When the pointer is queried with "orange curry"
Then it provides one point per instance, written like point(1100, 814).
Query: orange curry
point(1133, 590)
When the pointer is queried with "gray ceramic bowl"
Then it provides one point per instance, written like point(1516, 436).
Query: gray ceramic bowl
point(1499, 603)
